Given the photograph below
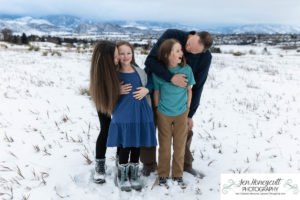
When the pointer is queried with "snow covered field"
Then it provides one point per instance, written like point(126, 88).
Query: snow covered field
point(248, 122)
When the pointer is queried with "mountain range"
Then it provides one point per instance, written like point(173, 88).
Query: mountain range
point(70, 25)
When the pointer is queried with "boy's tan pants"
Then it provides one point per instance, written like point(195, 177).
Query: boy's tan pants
point(171, 127)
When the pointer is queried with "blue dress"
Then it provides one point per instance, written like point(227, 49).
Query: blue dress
point(132, 122)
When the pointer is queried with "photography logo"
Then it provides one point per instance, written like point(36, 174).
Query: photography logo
point(260, 187)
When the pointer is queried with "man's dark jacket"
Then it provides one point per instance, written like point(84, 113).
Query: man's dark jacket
point(199, 63)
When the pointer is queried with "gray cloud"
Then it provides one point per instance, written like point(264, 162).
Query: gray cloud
point(184, 11)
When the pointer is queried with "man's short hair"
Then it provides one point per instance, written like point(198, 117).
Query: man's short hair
point(206, 38)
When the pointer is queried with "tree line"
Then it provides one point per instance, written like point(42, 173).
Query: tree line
point(8, 36)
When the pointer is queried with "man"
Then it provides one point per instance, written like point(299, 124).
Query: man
point(195, 48)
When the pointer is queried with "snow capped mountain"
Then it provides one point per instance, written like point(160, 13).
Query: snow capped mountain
point(108, 28)
point(66, 24)
point(31, 25)
point(30, 20)
point(65, 20)
point(259, 28)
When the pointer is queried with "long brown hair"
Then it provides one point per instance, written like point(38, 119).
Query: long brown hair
point(104, 79)
point(165, 50)
point(120, 43)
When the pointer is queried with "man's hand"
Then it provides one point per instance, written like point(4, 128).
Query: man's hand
point(190, 123)
point(141, 93)
point(179, 80)
point(125, 89)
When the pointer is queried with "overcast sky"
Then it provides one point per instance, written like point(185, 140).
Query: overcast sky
point(184, 11)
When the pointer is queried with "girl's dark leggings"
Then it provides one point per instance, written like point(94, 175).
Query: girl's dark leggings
point(124, 155)
point(102, 138)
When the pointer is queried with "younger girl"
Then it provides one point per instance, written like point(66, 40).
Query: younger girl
point(132, 123)
point(172, 103)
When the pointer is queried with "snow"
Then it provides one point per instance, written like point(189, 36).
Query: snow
point(27, 20)
point(135, 25)
point(247, 122)
point(259, 49)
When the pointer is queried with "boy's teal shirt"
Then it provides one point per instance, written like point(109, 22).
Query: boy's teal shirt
point(173, 99)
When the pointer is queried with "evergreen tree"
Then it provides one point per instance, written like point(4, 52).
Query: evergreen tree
point(24, 39)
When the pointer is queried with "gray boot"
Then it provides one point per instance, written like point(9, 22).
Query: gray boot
point(117, 160)
point(180, 182)
point(99, 176)
point(135, 181)
point(123, 179)
point(195, 172)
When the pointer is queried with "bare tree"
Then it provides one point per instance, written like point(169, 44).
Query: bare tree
point(7, 33)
